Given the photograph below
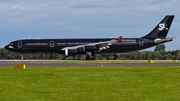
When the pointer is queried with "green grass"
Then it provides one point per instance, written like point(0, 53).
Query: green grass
point(90, 84)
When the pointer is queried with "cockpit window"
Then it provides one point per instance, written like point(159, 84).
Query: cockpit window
point(11, 44)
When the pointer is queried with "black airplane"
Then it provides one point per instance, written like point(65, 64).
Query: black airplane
point(91, 46)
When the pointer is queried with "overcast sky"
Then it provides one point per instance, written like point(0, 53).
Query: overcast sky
point(22, 19)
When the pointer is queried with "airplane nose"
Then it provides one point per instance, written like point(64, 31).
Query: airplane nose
point(6, 47)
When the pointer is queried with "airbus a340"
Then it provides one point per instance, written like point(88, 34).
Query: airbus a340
point(91, 46)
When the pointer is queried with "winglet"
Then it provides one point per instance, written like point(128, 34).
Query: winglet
point(119, 38)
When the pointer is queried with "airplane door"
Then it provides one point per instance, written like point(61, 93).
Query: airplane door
point(19, 45)
point(51, 43)
point(141, 42)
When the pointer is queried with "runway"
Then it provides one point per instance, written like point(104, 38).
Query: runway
point(64, 63)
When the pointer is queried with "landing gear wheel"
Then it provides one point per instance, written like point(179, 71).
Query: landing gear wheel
point(93, 58)
point(90, 56)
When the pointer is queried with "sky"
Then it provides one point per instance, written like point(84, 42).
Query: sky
point(22, 19)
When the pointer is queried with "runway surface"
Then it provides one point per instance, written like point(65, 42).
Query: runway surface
point(62, 63)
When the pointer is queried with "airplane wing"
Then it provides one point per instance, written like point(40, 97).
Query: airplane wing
point(100, 45)
point(106, 44)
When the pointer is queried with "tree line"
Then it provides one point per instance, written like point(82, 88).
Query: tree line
point(158, 54)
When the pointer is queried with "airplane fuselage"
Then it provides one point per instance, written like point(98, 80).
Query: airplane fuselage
point(55, 45)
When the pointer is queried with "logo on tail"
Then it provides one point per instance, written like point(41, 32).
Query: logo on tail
point(162, 26)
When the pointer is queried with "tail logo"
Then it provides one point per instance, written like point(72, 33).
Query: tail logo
point(162, 26)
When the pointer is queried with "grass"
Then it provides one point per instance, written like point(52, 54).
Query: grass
point(90, 84)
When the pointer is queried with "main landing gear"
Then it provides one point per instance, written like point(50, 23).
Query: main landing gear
point(90, 56)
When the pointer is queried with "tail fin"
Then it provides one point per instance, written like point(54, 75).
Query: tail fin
point(161, 30)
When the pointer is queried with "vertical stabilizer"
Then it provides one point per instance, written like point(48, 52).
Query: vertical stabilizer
point(161, 30)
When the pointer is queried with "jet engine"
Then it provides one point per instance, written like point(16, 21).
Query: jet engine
point(69, 52)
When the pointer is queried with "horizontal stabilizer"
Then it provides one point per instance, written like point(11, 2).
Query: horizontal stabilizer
point(157, 41)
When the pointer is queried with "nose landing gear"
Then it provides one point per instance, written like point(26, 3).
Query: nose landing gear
point(21, 55)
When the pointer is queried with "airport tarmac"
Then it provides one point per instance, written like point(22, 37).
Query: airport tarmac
point(60, 63)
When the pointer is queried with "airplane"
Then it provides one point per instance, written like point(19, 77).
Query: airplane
point(91, 46)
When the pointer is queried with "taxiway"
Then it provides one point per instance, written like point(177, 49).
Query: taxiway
point(60, 63)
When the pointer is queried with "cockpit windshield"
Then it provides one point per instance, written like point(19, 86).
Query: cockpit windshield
point(11, 44)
